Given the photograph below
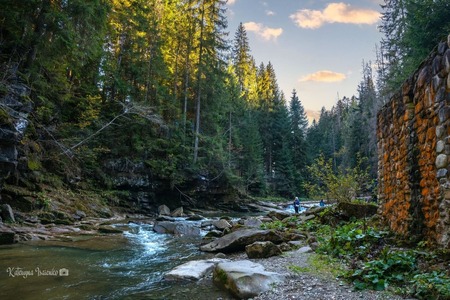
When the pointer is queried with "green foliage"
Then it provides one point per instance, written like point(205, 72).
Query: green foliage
point(350, 240)
point(411, 30)
point(43, 201)
point(278, 225)
point(433, 285)
point(340, 185)
point(393, 267)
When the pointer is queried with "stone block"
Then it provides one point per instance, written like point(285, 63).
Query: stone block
point(440, 146)
point(441, 161)
point(436, 64)
point(441, 173)
point(440, 131)
point(447, 88)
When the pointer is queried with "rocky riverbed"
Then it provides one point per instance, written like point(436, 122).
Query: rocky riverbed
point(301, 278)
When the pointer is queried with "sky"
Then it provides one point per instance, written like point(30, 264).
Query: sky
point(316, 47)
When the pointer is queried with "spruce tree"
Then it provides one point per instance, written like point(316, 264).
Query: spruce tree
point(298, 146)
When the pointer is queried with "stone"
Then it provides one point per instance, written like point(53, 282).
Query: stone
point(440, 146)
point(175, 228)
point(221, 224)
point(305, 249)
point(251, 222)
point(358, 210)
point(262, 250)
point(193, 270)
point(436, 64)
point(439, 131)
point(195, 217)
point(446, 61)
point(237, 240)
point(441, 173)
point(213, 234)
point(109, 230)
point(163, 210)
point(177, 212)
point(441, 161)
point(7, 213)
point(444, 114)
point(442, 47)
point(245, 279)
point(79, 215)
point(448, 83)
point(279, 214)
point(165, 218)
point(424, 76)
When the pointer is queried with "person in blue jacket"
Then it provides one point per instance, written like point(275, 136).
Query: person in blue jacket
point(296, 205)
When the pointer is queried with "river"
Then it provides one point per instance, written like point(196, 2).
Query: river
point(120, 266)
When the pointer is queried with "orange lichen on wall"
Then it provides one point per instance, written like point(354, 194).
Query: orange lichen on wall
point(414, 152)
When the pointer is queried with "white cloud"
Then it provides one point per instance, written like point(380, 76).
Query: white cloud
point(335, 13)
point(231, 2)
point(263, 31)
point(270, 13)
point(324, 76)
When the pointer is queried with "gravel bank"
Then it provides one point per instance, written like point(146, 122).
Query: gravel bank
point(308, 285)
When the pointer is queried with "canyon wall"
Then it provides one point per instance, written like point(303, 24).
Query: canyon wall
point(414, 153)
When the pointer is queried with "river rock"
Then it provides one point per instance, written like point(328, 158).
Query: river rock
point(194, 217)
point(252, 222)
point(221, 224)
point(279, 214)
point(79, 215)
point(178, 212)
point(213, 234)
point(193, 270)
point(262, 250)
point(244, 279)
point(176, 228)
point(109, 230)
point(165, 218)
point(7, 213)
point(163, 210)
point(237, 240)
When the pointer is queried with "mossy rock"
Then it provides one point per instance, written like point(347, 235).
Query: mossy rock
point(56, 217)
point(5, 118)
point(358, 210)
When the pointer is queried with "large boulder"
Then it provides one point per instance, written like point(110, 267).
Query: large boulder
point(221, 224)
point(251, 222)
point(237, 240)
point(358, 210)
point(177, 212)
point(262, 250)
point(7, 213)
point(244, 279)
point(163, 210)
point(176, 228)
point(279, 214)
point(193, 270)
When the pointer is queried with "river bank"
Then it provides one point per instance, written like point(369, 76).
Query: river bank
point(126, 251)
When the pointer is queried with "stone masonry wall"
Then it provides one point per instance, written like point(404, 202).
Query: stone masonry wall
point(414, 153)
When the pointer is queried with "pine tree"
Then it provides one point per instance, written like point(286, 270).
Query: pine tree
point(282, 170)
point(298, 146)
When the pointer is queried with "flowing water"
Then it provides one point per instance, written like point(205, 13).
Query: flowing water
point(129, 266)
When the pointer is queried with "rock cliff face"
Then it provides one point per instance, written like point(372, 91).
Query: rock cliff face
point(414, 150)
point(14, 110)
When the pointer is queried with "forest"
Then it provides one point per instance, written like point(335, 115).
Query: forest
point(165, 85)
